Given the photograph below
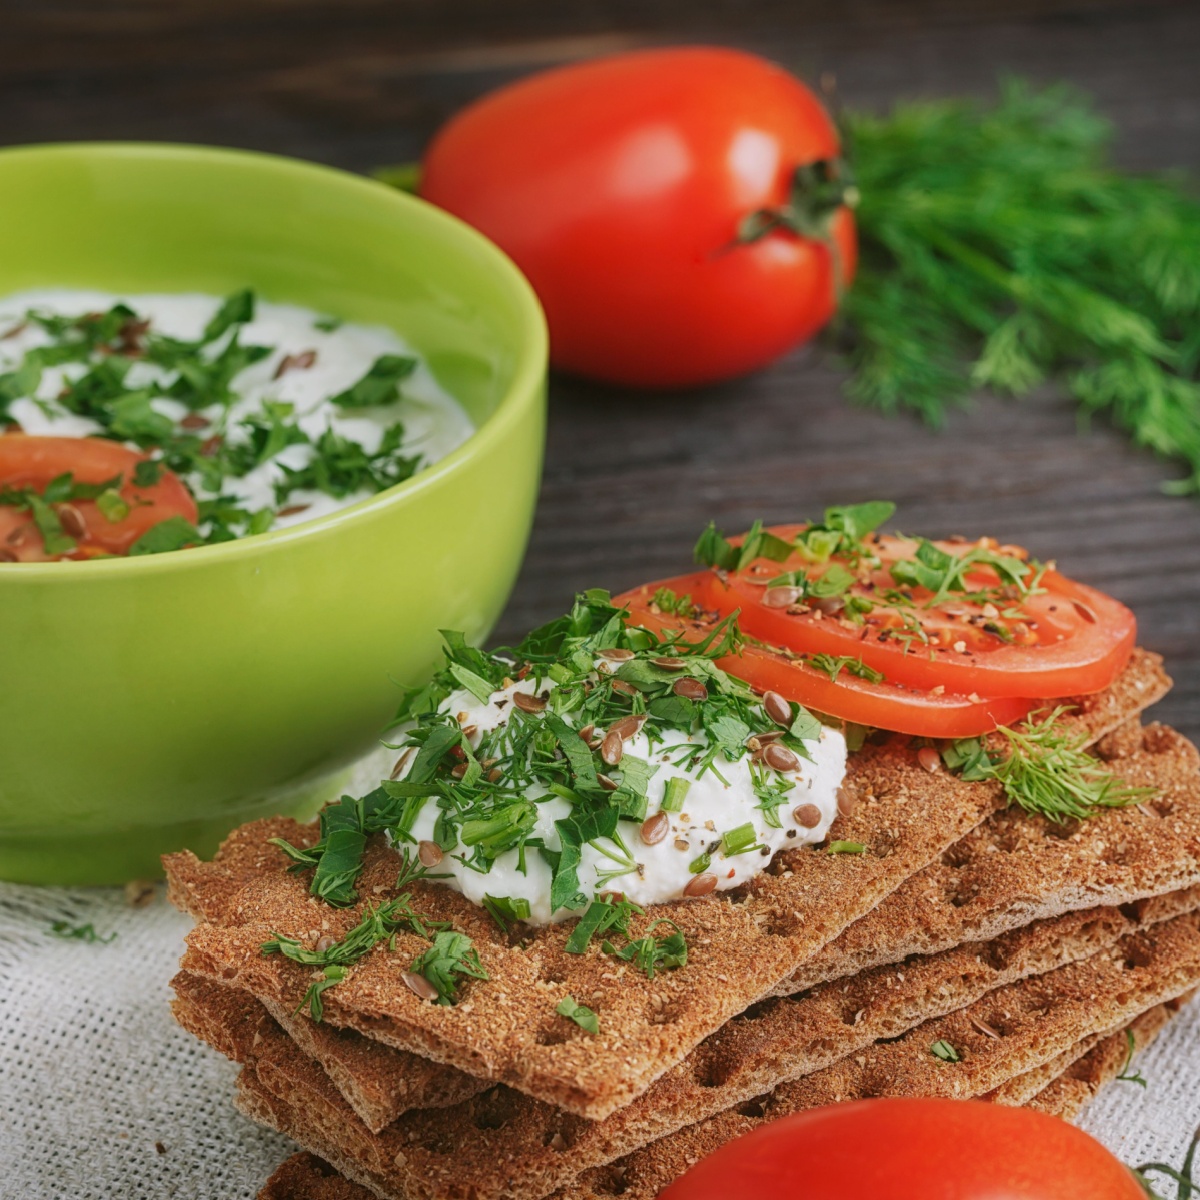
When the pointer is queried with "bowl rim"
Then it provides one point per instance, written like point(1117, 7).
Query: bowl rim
point(526, 385)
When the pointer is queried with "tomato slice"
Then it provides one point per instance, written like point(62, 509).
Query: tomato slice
point(880, 705)
point(986, 637)
point(33, 462)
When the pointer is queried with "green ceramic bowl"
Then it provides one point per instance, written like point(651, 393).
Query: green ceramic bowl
point(153, 703)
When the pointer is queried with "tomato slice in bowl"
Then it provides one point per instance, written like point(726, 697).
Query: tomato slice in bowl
point(106, 523)
point(833, 690)
point(972, 617)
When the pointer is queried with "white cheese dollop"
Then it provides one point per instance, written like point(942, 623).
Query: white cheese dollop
point(434, 423)
point(716, 802)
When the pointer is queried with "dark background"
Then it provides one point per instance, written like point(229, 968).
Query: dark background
point(631, 479)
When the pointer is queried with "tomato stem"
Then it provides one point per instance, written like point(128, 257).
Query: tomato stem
point(818, 190)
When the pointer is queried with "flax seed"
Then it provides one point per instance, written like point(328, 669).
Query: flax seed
point(419, 985)
point(929, 758)
point(430, 853)
point(777, 708)
point(655, 828)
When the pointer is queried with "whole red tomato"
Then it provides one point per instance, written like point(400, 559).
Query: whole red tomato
point(911, 1150)
point(681, 213)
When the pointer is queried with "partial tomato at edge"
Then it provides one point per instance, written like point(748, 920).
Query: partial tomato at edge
point(879, 705)
point(619, 187)
point(28, 461)
point(911, 1149)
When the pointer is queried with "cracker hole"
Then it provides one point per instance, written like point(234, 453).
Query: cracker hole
point(553, 1035)
point(561, 1139)
point(610, 1181)
point(492, 1110)
point(438, 1142)
point(755, 1109)
point(995, 956)
point(757, 1011)
point(711, 1073)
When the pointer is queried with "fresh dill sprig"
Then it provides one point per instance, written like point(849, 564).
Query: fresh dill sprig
point(999, 248)
point(1045, 770)
point(1127, 1075)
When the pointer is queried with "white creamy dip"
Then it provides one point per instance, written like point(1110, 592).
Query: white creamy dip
point(434, 423)
point(717, 802)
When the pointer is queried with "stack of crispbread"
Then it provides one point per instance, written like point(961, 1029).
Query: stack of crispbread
point(1024, 948)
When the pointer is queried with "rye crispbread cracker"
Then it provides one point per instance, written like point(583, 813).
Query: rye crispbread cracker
point(1014, 868)
point(379, 1083)
point(774, 1041)
point(1037, 1019)
point(778, 1040)
point(1061, 1087)
point(1024, 1089)
point(740, 946)
point(304, 1176)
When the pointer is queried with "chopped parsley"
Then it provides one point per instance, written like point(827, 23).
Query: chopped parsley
point(452, 954)
point(583, 1016)
point(650, 953)
point(379, 923)
point(946, 1052)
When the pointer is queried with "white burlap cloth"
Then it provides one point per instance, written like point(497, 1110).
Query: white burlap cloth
point(102, 1095)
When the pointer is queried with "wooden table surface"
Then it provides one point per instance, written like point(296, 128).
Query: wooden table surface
point(630, 479)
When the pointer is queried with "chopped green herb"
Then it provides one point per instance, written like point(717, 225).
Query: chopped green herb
point(833, 666)
point(79, 933)
point(312, 997)
point(1045, 770)
point(946, 1052)
point(650, 954)
point(452, 955)
point(200, 375)
point(673, 604)
point(700, 863)
point(172, 534)
point(583, 1016)
point(846, 848)
point(112, 505)
point(380, 385)
point(739, 840)
point(1126, 1075)
point(675, 793)
point(507, 910)
point(601, 916)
